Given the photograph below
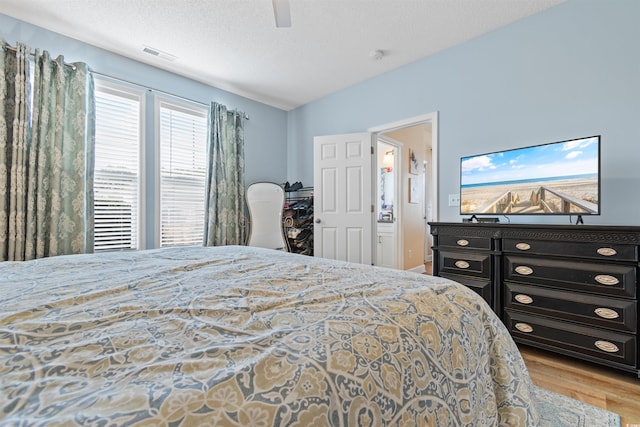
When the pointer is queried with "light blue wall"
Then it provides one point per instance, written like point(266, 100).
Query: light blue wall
point(265, 133)
point(570, 71)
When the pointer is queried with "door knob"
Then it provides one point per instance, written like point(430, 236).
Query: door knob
point(318, 221)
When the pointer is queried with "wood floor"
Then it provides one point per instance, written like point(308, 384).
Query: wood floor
point(606, 388)
point(427, 267)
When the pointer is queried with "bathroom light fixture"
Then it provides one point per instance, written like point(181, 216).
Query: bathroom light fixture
point(387, 160)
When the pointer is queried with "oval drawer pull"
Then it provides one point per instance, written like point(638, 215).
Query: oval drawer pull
point(524, 270)
point(606, 313)
point(523, 246)
point(607, 346)
point(462, 264)
point(605, 279)
point(523, 299)
point(607, 251)
point(462, 242)
point(524, 327)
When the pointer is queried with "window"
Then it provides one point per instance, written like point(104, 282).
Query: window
point(183, 164)
point(118, 154)
point(176, 208)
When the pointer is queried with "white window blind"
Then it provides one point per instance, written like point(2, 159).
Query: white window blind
point(117, 168)
point(183, 164)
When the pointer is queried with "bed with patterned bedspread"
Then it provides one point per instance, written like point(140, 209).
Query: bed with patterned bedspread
point(217, 336)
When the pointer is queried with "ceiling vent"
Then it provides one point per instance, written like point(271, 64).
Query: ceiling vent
point(158, 53)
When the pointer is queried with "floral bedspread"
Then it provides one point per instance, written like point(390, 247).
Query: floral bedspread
point(232, 335)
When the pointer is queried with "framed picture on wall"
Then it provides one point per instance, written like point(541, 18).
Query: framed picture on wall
point(414, 190)
point(413, 162)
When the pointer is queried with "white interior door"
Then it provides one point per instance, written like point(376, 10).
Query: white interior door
point(343, 208)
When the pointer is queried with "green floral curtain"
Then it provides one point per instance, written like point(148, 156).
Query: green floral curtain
point(46, 156)
point(225, 221)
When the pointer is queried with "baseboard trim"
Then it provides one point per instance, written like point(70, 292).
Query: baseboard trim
point(418, 269)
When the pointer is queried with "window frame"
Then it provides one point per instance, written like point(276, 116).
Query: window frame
point(185, 106)
point(107, 85)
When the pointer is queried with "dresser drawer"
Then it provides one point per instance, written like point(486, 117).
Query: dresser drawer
point(582, 341)
point(480, 286)
point(572, 249)
point(612, 313)
point(466, 242)
point(605, 279)
point(465, 263)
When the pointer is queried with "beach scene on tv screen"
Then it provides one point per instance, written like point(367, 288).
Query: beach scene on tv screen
point(557, 178)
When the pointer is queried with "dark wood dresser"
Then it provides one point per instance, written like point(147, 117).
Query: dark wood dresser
point(571, 289)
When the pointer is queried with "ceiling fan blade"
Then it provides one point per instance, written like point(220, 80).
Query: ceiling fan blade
point(282, 13)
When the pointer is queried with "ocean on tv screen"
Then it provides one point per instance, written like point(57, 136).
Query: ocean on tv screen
point(558, 178)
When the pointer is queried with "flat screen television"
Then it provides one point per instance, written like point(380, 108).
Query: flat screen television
point(559, 178)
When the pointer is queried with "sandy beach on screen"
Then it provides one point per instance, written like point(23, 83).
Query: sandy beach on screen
point(475, 198)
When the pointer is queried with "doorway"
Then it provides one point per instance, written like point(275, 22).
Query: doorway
point(387, 210)
point(417, 194)
point(345, 183)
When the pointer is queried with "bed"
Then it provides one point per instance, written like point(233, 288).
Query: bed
point(217, 336)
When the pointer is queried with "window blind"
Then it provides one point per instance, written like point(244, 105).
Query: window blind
point(183, 144)
point(117, 168)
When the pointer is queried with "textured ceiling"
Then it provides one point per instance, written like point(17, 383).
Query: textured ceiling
point(234, 44)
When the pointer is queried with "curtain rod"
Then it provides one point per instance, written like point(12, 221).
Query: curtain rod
point(244, 115)
point(9, 47)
